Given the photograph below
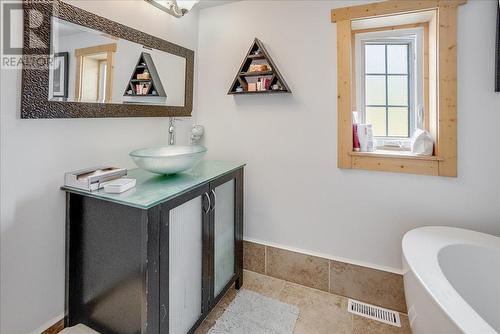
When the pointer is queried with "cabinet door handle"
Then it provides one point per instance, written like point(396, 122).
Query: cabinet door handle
point(215, 199)
point(209, 203)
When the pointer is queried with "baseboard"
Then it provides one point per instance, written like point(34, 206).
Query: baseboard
point(328, 256)
point(53, 326)
point(330, 274)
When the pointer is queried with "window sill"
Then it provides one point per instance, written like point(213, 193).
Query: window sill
point(395, 154)
point(395, 161)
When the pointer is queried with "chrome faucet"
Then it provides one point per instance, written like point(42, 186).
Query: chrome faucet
point(196, 132)
point(171, 131)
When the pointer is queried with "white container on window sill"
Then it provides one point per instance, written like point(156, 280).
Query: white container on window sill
point(366, 140)
point(422, 143)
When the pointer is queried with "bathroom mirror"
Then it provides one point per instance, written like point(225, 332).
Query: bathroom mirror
point(95, 67)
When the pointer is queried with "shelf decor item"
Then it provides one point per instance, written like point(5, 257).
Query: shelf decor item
point(144, 75)
point(258, 74)
point(259, 68)
point(145, 80)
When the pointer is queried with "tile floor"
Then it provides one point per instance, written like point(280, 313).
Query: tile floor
point(320, 312)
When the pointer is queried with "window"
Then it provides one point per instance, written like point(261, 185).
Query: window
point(389, 67)
point(374, 43)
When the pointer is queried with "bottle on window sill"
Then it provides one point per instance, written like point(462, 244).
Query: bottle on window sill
point(366, 140)
point(355, 138)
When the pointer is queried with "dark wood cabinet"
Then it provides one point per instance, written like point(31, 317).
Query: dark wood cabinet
point(155, 270)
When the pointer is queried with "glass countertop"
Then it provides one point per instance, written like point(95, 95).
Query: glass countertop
point(152, 189)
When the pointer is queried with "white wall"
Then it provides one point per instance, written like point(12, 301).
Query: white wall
point(295, 195)
point(34, 156)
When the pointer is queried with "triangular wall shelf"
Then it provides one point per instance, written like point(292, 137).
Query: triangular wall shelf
point(270, 77)
point(150, 86)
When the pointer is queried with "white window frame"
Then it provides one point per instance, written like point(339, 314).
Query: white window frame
point(415, 38)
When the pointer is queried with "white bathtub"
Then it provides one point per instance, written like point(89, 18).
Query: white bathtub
point(452, 281)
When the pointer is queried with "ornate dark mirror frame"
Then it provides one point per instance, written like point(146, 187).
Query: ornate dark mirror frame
point(35, 81)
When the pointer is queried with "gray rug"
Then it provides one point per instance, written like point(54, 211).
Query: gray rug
point(252, 313)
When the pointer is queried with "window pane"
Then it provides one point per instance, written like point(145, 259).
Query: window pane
point(374, 58)
point(375, 89)
point(376, 117)
point(397, 59)
point(398, 90)
point(398, 122)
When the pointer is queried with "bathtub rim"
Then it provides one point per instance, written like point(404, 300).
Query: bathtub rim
point(424, 263)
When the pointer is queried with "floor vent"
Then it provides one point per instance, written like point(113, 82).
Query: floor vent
point(374, 312)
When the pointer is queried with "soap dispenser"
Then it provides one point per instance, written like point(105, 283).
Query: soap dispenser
point(196, 133)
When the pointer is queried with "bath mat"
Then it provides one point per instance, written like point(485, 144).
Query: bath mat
point(252, 313)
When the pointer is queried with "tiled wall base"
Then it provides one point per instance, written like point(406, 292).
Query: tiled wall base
point(362, 283)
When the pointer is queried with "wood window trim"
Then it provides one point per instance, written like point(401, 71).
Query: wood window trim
point(443, 124)
point(390, 7)
point(92, 50)
point(110, 50)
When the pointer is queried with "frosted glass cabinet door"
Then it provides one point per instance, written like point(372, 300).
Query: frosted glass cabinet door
point(224, 235)
point(185, 266)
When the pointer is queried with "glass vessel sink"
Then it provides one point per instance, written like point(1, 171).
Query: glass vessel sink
point(168, 159)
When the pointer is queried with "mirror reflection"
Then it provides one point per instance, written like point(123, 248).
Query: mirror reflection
point(91, 66)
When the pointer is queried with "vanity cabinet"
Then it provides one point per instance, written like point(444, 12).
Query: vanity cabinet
point(157, 258)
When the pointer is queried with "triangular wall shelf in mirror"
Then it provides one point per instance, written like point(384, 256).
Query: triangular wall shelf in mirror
point(145, 81)
point(258, 74)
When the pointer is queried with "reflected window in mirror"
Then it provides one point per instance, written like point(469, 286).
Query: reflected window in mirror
point(94, 73)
